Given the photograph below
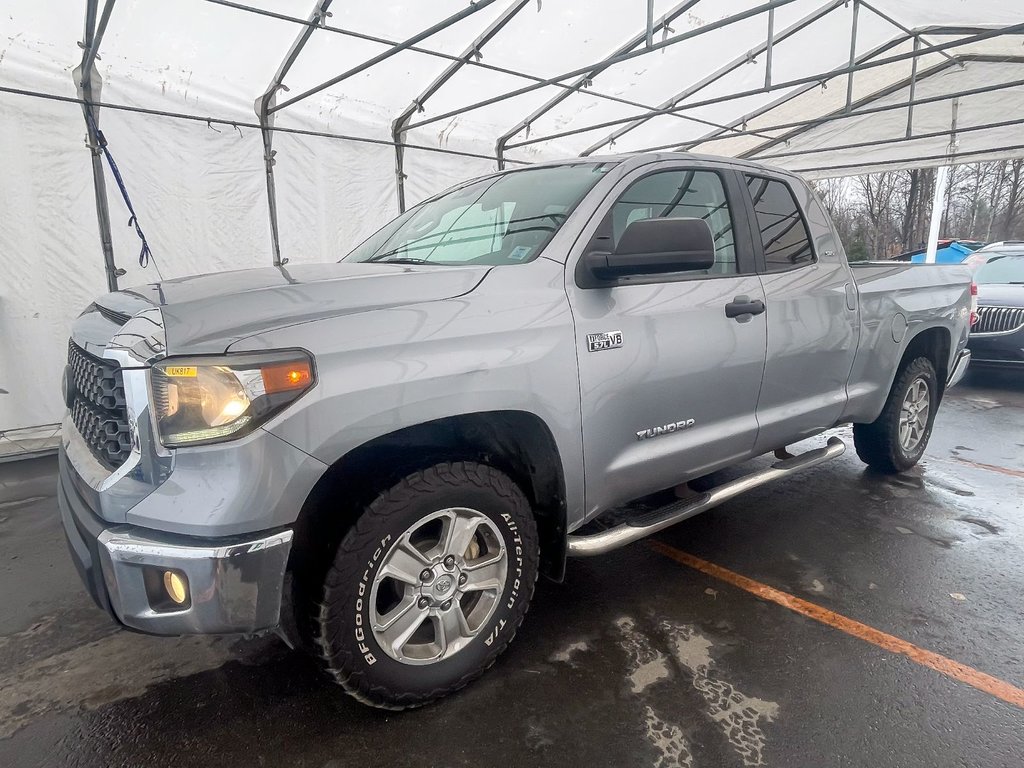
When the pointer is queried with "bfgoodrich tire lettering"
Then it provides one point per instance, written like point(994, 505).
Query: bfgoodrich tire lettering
point(886, 444)
point(346, 639)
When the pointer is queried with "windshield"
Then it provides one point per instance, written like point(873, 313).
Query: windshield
point(503, 219)
point(1001, 269)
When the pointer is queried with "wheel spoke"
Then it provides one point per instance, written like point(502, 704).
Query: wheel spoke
point(458, 535)
point(450, 626)
point(489, 575)
point(405, 564)
point(399, 628)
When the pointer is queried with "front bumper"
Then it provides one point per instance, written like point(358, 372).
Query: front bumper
point(235, 584)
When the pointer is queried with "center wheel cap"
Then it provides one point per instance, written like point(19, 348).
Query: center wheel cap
point(443, 586)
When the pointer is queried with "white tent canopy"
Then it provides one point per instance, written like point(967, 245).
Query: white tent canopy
point(382, 104)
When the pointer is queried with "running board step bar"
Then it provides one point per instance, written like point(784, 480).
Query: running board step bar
point(641, 527)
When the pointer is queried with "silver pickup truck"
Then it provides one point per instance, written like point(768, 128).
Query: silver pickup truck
point(377, 457)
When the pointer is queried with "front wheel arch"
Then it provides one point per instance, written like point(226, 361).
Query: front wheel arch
point(517, 443)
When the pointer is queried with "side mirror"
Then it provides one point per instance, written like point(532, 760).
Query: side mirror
point(651, 247)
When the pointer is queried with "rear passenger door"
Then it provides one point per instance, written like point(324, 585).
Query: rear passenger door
point(668, 380)
point(811, 312)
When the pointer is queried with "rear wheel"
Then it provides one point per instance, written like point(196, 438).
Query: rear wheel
point(897, 439)
point(429, 586)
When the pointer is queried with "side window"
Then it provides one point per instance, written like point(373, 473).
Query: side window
point(679, 195)
point(787, 243)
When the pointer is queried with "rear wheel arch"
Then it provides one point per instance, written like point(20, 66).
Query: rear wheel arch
point(933, 343)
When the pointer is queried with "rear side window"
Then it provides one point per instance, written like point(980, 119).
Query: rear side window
point(784, 235)
point(681, 195)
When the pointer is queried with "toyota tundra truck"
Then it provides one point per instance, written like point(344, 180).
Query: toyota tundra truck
point(376, 458)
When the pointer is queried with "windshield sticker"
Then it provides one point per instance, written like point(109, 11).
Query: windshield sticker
point(520, 252)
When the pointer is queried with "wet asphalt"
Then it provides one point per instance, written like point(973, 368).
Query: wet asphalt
point(635, 660)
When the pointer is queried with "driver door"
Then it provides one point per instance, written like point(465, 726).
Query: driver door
point(668, 382)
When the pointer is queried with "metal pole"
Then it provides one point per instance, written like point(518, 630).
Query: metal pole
point(917, 162)
point(89, 86)
point(726, 69)
point(264, 111)
point(710, 27)
point(824, 76)
point(733, 126)
point(804, 125)
point(650, 23)
point(904, 27)
point(479, 5)
point(584, 79)
point(399, 126)
point(420, 49)
point(768, 50)
point(853, 53)
point(941, 179)
point(913, 88)
point(878, 142)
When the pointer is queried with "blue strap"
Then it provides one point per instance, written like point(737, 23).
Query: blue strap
point(133, 221)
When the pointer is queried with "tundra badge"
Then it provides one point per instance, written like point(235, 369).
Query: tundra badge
point(596, 342)
point(667, 429)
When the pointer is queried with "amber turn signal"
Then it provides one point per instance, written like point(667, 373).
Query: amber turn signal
point(286, 377)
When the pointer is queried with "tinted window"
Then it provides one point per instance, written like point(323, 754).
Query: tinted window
point(784, 235)
point(679, 195)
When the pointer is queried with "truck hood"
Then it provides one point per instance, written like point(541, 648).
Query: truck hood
point(205, 314)
point(1001, 295)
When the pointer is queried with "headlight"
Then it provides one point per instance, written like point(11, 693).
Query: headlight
point(211, 399)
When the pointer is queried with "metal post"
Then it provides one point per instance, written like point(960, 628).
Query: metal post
point(264, 108)
point(89, 86)
point(768, 50)
point(908, 30)
point(400, 124)
point(853, 53)
point(740, 61)
point(736, 95)
point(675, 40)
point(586, 78)
point(479, 5)
point(913, 88)
point(941, 179)
point(650, 23)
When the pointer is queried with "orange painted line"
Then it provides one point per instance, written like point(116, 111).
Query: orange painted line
point(991, 467)
point(948, 667)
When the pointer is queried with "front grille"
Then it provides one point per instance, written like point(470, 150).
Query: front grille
point(97, 405)
point(999, 319)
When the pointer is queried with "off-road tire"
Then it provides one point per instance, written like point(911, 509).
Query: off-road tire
point(344, 642)
point(878, 443)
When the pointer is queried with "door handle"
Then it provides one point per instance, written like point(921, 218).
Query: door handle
point(742, 305)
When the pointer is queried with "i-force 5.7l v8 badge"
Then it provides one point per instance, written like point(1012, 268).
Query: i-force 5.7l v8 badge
point(596, 342)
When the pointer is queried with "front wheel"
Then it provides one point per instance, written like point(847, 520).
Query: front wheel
point(896, 440)
point(429, 586)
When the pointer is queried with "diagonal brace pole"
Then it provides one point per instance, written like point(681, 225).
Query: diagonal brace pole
point(479, 5)
point(400, 124)
point(586, 78)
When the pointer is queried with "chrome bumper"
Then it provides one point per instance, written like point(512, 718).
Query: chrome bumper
point(233, 588)
point(235, 585)
point(959, 368)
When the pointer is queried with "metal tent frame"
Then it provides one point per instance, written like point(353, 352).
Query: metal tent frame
point(567, 84)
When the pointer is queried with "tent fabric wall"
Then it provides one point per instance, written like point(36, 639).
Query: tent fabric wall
point(199, 187)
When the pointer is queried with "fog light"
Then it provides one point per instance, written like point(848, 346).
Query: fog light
point(176, 586)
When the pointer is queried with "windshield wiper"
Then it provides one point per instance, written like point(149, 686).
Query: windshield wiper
point(399, 260)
